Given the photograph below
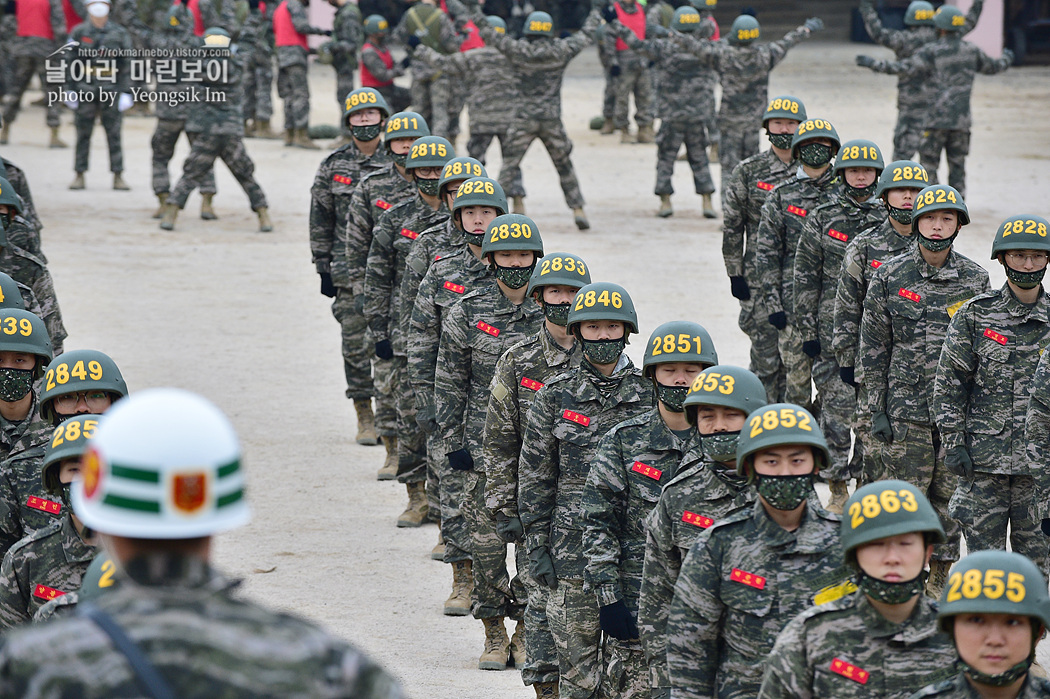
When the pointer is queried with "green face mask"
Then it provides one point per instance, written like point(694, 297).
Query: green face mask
point(939, 244)
point(399, 158)
point(672, 397)
point(1000, 680)
point(366, 133)
point(428, 186)
point(475, 239)
point(781, 140)
point(603, 351)
point(515, 277)
point(785, 492)
point(859, 192)
point(1025, 280)
point(557, 313)
point(15, 384)
point(815, 154)
point(891, 592)
point(721, 446)
point(900, 215)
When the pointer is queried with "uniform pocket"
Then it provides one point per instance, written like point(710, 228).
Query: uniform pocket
point(747, 608)
point(991, 402)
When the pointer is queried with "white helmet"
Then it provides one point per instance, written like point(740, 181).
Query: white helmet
point(164, 464)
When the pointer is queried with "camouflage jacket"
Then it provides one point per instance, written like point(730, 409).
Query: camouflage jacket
point(1037, 431)
point(864, 254)
point(435, 242)
point(784, 214)
point(63, 605)
point(32, 433)
point(295, 55)
point(187, 619)
point(946, 69)
point(493, 95)
point(17, 177)
point(960, 688)
point(377, 192)
point(219, 13)
point(348, 35)
point(743, 580)
point(21, 234)
point(434, 29)
point(818, 261)
point(330, 199)
point(906, 314)
point(26, 268)
point(222, 116)
point(393, 238)
point(845, 648)
point(40, 46)
point(911, 97)
point(566, 421)
point(46, 564)
point(172, 35)
point(522, 371)
point(692, 501)
point(24, 505)
point(633, 462)
point(445, 283)
point(474, 335)
point(981, 394)
point(744, 195)
point(100, 74)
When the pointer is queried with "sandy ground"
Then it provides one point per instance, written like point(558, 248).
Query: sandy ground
point(236, 315)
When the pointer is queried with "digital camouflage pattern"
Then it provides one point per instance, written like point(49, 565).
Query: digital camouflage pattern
point(376, 193)
point(25, 268)
point(45, 564)
point(433, 243)
point(189, 619)
point(348, 35)
point(493, 91)
point(163, 143)
point(846, 648)
point(17, 177)
point(28, 54)
point(25, 507)
point(694, 499)
point(31, 433)
point(743, 580)
point(635, 77)
point(1037, 430)
point(292, 84)
point(960, 688)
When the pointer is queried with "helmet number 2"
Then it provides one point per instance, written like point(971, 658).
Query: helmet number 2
point(969, 585)
point(787, 418)
point(872, 505)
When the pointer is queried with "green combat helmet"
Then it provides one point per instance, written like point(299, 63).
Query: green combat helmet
point(729, 387)
point(949, 19)
point(376, 25)
point(365, 98)
point(677, 341)
point(745, 30)
point(404, 125)
point(22, 331)
point(603, 301)
point(783, 107)
point(553, 269)
point(898, 175)
point(686, 19)
point(538, 24)
point(777, 425)
point(859, 153)
point(919, 14)
point(938, 197)
point(10, 198)
point(811, 129)
point(478, 191)
point(458, 170)
point(101, 578)
point(1025, 232)
point(496, 23)
point(10, 294)
point(512, 232)
point(76, 371)
point(68, 441)
point(429, 151)
point(216, 38)
point(704, 4)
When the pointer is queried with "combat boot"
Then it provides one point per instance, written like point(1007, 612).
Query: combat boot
point(712, 152)
point(162, 199)
point(709, 208)
point(517, 645)
point(626, 136)
point(366, 423)
point(546, 690)
point(261, 129)
point(167, 219)
point(78, 181)
point(417, 511)
point(56, 142)
point(581, 218)
point(497, 645)
point(249, 128)
point(265, 224)
point(389, 470)
point(645, 133)
point(119, 184)
point(289, 136)
point(665, 206)
point(207, 213)
point(938, 577)
point(839, 496)
point(301, 139)
point(519, 205)
point(458, 603)
point(438, 552)
point(607, 128)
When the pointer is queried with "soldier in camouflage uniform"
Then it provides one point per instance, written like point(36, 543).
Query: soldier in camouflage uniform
point(474, 335)
point(219, 125)
point(258, 76)
point(908, 305)
point(177, 599)
point(749, 574)
point(19, 231)
point(51, 561)
point(17, 295)
point(981, 395)
point(898, 186)
point(364, 115)
point(520, 373)
point(633, 462)
point(348, 35)
point(291, 25)
point(882, 640)
point(946, 68)
point(742, 199)
point(378, 69)
point(704, 490)
point(1037, 434)
point(29, 270)
point(783, 218)
point(744, 74)
point(629, 70)
point(111, 92)
point(681, 108)
point(100, 577)
point(996, 649)
point(431, 89)
point(568, 418)
point(392, 239)
point(17, 177)
point(818, 266)
point(23, 358)
point(912, 97)
point(28, 51)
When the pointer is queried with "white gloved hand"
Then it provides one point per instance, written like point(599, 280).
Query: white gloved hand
point(125, 102)
point(72, 104)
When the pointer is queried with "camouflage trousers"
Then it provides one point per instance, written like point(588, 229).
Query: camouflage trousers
point(609, 92)
point(433, 484)
point(798, 383)
point(765, 355)
point(24, 69)
point(985, 505)
point(837, 404)
point(633, 81)
point(541, 655)
point(669, 139)
point(916, 455)
point(870, 454)
point(453, 494)
point(383, 383)
point(478, 145)
point(201, 160)
point(907, 135)
point(258, 84)
point(551, 132)
point(738, 140)
point(411, 441)
point(495, 592)
point(956, 146)
point(84, 120)
point(572, 613)
point(356, 341)
point(626, 674)
point(293, 88)
point(399, 98)
point(433, 99)
point(163, 143)
point(460, 90)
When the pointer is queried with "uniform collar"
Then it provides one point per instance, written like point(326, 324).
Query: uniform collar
point(808, 538)
point(593, 385)
point(74, 549)
point(922, 623)
point(950, 269)
point(553, 353)
point(170, 570)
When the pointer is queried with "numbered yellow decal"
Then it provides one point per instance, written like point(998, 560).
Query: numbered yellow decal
point(993, 585)
point(872, 505)
point(785, 417)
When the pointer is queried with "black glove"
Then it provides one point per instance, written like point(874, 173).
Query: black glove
point(253, 4)
point(848, 375)
point(413, 41)
point(865, 61)
point(1045, 526)
point(778, 320)
point(10, 7)
point(460, 460)
point(608, 13)
point(509, 528)
point(384, 350)
point(958, 461)
point(327, 286)
point(811, 348)
point(541, 566)
point(616, 621)
point(406, 62)
point(327, 32)
point(615, 71)
point(880, 428)
point(739, 288)
point(564, 34)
